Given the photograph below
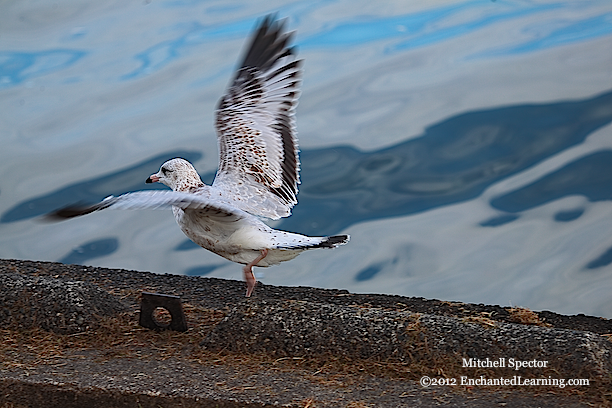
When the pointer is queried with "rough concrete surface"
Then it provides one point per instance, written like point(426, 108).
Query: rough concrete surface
point(55, 304)
point(70, 339)
point(295, 328)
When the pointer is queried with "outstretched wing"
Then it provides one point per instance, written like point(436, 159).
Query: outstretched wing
point(154, 199)
point(258, 149)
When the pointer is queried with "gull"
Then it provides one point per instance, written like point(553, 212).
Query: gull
point(258, 172)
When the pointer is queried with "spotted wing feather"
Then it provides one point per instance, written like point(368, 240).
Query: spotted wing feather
point(255, 122)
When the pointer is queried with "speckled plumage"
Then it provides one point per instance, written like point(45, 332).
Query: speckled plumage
point(258, 149)
point(258, 170)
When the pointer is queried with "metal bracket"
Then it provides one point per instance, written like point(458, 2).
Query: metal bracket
point(151, 301)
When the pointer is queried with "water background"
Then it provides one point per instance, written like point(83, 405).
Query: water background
point(466, 146)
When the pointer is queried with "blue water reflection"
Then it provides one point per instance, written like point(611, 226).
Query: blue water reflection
point(415, 29)
point(156, 57)
point(586, 29)
point(410, 31)
point(17, 67)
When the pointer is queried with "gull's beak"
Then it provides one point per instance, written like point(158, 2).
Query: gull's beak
point(152, 179)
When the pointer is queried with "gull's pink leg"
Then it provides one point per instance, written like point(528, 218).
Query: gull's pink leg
point(248, 272)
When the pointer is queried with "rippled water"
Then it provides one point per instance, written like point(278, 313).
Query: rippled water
point(466, 146)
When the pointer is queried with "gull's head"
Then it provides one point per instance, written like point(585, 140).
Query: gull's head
point(178, 174)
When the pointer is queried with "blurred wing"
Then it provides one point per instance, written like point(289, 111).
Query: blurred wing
point(258, 150)
point(155, 199)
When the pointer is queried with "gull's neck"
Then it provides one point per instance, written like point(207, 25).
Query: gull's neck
point(188, 186)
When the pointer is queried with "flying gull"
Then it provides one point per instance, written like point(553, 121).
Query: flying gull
point(258, 173)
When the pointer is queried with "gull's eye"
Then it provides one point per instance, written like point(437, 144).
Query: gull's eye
point(165, 170)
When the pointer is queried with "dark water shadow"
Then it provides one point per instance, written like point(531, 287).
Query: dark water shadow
point(371, 271)
point(589, 176)
point(455, 160)
point(91, 250)
point(499, 220)
point(201, 270)
point(569, 215)
point(602, 260)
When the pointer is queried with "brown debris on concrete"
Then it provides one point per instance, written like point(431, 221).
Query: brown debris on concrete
point(295, 328)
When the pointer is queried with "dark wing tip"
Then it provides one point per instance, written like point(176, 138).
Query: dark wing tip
point(75, 210)
point(268, 44)
point(70, 211)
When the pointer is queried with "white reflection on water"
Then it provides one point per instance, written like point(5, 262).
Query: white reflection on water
point(465, 145)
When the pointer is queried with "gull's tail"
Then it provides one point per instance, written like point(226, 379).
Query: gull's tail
point(333, 241)
point(288, 240)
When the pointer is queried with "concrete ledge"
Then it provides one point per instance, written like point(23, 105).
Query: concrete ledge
point(286, 346)
point(294, 328)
